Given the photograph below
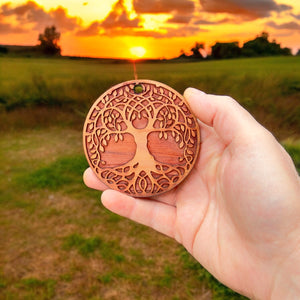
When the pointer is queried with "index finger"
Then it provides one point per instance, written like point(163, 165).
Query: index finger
point(224, 114)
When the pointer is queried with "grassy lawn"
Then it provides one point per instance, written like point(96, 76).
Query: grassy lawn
point(268, 87)
point(57, 241)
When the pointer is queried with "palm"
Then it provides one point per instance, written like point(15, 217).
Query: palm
point(221, 209)
point(204, 223)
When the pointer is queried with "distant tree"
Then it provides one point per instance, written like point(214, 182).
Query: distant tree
point(182, 54)
point(261, 46)
point(286, 51)
point(49, 41)
point(196, 50)
point(3, 50)
point(298, 53)
point(225, 50)
point(264, 35)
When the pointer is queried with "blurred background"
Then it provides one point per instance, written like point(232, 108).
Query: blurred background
point(56, 59)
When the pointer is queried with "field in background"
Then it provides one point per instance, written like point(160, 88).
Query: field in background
point(268, 87)
point(57, 242)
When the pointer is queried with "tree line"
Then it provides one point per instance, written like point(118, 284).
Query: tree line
point(260, 46)
point(48, 45)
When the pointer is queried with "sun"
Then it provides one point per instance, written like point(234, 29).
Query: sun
point(138, 51)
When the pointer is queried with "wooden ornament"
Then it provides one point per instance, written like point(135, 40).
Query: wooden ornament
point(140, 138)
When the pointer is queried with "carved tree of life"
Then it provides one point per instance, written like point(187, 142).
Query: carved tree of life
point(140, 138)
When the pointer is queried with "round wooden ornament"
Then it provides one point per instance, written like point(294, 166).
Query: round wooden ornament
point(140, 138)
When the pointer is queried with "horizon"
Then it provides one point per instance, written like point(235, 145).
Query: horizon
point(163, 28)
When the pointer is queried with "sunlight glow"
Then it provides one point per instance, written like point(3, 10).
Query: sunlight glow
point(138, 51)
point(154, 22)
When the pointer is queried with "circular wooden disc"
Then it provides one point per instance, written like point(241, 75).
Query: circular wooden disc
point(141, 138)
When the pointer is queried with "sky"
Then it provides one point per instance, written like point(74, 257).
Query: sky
point(110, 28)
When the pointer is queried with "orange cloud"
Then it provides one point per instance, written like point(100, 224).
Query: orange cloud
point(92, 30)
point(164, 6)
point(117, 22)
point(203, 21)
point(183, 31)
point(297, 17)
point(252, 9)
point(181, 19)
point(286, 25)
point(32, 14)
point(119, 17)
point(184, 19)
point(6, 28)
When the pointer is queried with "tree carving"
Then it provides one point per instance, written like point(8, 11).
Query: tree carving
point(140, 138)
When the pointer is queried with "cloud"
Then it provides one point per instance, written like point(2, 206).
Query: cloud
point(62, 20)
point(181, 19)
point(286, 26)
point(35, 15)
point(184, 31)
point(6, 28)
point(119, 17)
point(164, 6)
point(30, 16)
point(252, 9)
point(297, 17)
point(166, 32)
point(209, 22)
point(117, 22)
point(200, 20)
point(91, 30)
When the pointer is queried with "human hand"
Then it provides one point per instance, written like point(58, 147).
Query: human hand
point(238, 211)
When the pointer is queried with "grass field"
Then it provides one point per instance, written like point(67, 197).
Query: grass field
point(57, 241)
point(268, 87)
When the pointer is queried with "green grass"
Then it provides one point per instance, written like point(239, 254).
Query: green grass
point(219, 291)
point(62, 172)
point(56, 235)
point(3, 282)
point(63, 222)
point(87, 246)
point(268, 87)
point(37, 289)
point(110, 276)
point(166, 279)
point(293, 148)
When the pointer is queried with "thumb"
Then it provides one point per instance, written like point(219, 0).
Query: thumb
point(223, 113)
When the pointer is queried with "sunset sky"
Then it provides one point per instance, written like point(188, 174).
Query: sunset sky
point(110, 28)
